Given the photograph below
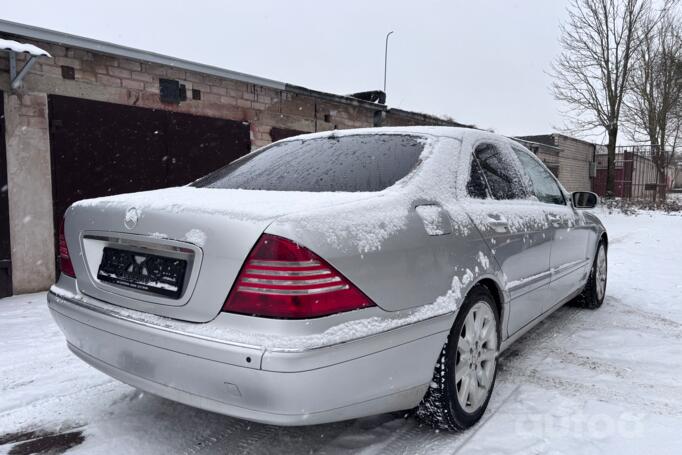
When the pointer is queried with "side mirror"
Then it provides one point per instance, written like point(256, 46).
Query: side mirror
point(584, 199)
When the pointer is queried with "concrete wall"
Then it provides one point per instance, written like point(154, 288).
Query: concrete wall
point(29, 182)
point(119, 80)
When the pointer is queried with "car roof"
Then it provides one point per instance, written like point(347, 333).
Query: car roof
point(441, 131)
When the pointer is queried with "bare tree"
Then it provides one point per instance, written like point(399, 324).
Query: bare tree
point(652, 109)
point(592, 73)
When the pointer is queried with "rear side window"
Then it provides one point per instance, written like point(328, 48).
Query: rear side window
point(346, 163)
point(500, 173)
point(476, 187)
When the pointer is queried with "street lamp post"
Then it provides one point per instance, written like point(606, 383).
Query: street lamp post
point(386, 60)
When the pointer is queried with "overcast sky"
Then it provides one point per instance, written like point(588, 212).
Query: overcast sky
point(482, 62)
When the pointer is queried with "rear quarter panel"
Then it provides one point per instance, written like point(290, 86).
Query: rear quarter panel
point(408, 268)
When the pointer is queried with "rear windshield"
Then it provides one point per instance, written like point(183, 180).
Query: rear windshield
point(345, 163)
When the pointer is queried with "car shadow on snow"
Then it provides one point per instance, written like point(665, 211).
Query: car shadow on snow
point(202, 432)
point(173, 427)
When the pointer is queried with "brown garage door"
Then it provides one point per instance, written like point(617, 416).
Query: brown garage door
point(5, 249)
point(103, 148)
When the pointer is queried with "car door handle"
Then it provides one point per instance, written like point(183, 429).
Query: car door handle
point(497, 222)
point(555, 220)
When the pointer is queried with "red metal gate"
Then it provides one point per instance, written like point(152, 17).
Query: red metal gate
point(622, 176)
point(635, 174)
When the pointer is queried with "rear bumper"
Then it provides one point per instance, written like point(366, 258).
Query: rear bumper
point(381, 373)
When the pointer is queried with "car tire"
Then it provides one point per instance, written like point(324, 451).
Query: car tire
point(442, 407)
point(594, 292)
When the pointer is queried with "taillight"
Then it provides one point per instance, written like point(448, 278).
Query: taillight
point(282, 279)
point(65, 263)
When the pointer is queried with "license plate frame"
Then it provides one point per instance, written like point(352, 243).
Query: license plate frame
point(142, 271)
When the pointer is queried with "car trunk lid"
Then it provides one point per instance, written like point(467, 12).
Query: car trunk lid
point(208, 233)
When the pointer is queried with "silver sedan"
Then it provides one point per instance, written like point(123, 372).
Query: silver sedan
point(330, 276)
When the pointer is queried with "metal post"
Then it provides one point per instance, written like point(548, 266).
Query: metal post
point(12, 65)
point(386, 59)
point(17, 77)
point(16, 82)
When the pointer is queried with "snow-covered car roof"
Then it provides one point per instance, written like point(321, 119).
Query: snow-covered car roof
point(445, 131)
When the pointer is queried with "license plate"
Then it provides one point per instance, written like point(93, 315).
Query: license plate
point(146, 272)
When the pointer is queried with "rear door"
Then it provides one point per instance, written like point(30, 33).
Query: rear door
point(5, 249)
point(568, 256)
point(514, 228)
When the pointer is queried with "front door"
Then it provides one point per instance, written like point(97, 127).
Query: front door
point(570, 258)
point(5, 249)
point(569, 235)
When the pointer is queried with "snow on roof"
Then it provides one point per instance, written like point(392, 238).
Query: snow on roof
point(454, 132)
point(15, 46)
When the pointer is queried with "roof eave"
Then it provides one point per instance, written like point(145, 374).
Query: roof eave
point(66, 39)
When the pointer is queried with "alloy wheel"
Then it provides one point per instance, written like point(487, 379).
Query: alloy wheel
point(600, 272)
point(476, 357)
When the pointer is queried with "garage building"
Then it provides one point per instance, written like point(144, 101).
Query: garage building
point(94, 118)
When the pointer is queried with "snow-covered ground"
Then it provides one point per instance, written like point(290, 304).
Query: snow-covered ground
point(583, 382)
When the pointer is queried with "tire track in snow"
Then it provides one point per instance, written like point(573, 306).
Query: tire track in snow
point(545, 341)
point(481, 424)
point(669, 407)
point(654, 319)
point(244, 437)
point(583, 361)
point(414, 435)
point(373, 431)
point(249, 440)
point(210, 443)
point(42, 401)
point(295, 439)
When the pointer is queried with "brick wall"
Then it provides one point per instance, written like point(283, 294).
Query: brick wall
point(118, 80)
